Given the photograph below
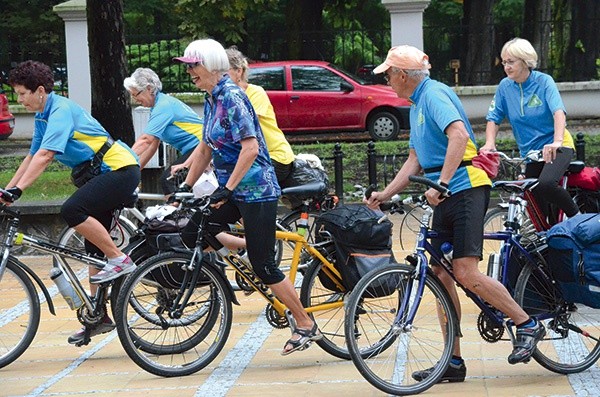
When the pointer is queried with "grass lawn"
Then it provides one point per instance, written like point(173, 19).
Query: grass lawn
point(51, 185)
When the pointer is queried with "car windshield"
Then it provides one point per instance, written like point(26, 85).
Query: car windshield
point(350, 75)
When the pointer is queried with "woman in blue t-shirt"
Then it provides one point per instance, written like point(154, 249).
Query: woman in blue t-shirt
point(532, 104)
point(66, 132)
point(248, 188)
point(171, 121)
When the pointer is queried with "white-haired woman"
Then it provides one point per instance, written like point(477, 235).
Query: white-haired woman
point(171, 121)
point(530, 100)
point(248, 187)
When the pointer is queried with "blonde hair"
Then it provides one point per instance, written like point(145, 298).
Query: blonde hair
point(521, 49)
point(237, 60)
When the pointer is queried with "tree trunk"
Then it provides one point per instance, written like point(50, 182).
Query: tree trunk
point(478, 42)
point(537, 28)
point(108, 68)
point(305, 29)
point(584, 47)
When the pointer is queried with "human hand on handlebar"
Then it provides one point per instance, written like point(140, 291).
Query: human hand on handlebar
point(9, 196)
point(220, 196)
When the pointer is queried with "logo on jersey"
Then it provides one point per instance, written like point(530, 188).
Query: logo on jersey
point(492, 105)
point(420, 118)
point(534, 102)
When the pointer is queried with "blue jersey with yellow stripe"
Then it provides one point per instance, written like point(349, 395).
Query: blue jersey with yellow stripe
point(175, 123)
point(75, 136)
point(435, 106)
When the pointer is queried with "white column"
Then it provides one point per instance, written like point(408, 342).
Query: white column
point(406, 21)
point(78, 59)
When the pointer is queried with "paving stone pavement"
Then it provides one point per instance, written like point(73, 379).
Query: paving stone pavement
point(250, 365)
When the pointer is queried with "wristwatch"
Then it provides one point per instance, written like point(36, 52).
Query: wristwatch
point(444, 184)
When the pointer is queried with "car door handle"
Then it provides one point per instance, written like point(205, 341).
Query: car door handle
point(294, 97)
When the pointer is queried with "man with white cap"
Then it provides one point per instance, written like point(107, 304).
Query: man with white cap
point(442, 144)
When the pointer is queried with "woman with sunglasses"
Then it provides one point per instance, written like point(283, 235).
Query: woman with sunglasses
point(248, 187)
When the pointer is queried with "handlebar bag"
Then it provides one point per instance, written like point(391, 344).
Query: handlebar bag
point(574, 258)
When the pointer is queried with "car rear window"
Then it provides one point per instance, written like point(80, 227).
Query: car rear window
point(315, 78)
point(271, 79)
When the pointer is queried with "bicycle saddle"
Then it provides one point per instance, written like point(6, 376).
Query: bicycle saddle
point(518, 186)
point(575, 167)
point(130, 202)
point(303, 192)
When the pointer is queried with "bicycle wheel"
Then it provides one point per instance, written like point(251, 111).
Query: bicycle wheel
point(331, 321)
point(377, 321)
point(164, 341)
point(19, 312)
point(120, 234)
point(572, 341)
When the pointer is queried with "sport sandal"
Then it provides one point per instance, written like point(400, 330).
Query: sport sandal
point(305, 340)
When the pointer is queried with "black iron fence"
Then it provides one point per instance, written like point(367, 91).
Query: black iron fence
point(350, 49)
point(381, 169)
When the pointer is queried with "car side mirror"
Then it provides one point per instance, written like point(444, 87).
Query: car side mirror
point(346, 87)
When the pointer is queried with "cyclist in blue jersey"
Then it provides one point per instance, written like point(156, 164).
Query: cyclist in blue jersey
point(442, 144)
point(171, 121)
point(532, 104)
point(66, 132)
point(248, 188)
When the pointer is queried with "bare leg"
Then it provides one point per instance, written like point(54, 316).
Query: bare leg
point(451, 288)
point(285, 291)
point(232, 242)
point(490, 290)
point(93, 231)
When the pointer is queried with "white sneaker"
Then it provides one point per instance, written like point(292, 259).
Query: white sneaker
point(111, 271)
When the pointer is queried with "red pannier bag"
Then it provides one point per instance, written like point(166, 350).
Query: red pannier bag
point(588, 179)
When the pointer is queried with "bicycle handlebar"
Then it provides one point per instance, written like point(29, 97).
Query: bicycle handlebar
point(428, 182)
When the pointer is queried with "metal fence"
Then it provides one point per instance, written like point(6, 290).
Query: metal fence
point(351, 49)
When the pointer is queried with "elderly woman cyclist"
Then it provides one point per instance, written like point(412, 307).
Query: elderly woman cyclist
point(248, 188)
point(171, 121)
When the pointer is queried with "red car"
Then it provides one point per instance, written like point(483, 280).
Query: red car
point(316, 96)
point(7, 120)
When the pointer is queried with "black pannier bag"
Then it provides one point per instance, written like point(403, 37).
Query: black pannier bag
point(362, 243)
point(574, 258)
point(162, 235)
point(303, 173)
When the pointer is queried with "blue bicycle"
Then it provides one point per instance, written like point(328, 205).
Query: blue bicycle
point(395, 311)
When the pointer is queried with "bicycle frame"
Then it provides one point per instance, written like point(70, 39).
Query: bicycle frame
point(510, 241)
point(13, 237)
point(300, 243)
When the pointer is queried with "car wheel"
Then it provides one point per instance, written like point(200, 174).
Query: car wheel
point(384, 126)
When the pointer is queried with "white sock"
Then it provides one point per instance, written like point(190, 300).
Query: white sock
point(118, 260)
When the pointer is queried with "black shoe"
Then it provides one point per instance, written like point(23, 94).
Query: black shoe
point(454, 373)
point(527, 339)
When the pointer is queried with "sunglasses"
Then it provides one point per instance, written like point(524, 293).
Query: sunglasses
point(192, 65)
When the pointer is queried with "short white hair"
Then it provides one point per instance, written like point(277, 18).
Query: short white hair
point(142, 79)
point(210, 53)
